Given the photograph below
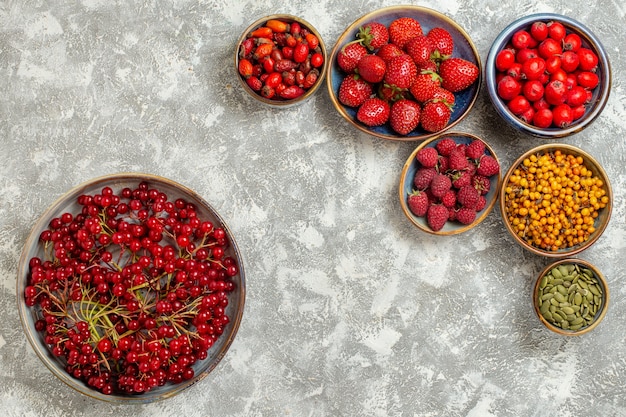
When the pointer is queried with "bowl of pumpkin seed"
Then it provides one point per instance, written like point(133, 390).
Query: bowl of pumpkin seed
point(571, 297)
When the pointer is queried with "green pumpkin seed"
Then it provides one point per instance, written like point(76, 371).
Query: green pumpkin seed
point(578, 299)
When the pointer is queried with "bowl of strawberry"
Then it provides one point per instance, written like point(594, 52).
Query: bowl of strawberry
point(548, 75)
point(130, 288)
point(404, 73)
point(281, 60)
point(450, 183)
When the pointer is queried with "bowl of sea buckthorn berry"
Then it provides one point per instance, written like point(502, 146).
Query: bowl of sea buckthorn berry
point(281, 60)
point(548, 75)
point(556, 200)
point(130, 288)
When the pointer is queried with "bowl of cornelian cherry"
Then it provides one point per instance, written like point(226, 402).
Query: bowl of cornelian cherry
point(548, 75)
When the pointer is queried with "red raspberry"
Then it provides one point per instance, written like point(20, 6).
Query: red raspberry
point(475, 149)
point(427, 157)
point(440, 185)
point(445, 146)
point(437, 216)
point(418, 203)
point(449, 199)
point(468, 196)
point(458, 160)
point(482, 202)
point(461, 178)
point(481, 183)
point(488, 166)
point(423, 177)
point(466, 215)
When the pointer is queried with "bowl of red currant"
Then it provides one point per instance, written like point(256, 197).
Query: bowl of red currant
point(404, 73)
point(130, 288)
point(548, 75)
point(281, 60)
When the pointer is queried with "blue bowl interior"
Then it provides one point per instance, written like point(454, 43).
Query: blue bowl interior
point(589, 40)
point(428, 19)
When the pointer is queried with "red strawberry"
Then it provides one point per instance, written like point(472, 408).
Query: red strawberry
point(424, 86)
point(353, 90)
point(388, 51)
point(404, 116)
point(372, 68)
point(457, 74)
point(468, 196)
point(441, 41)
point(441, 93)
point(475, 149)
point(418, 203)
point(466, 215)
point(428, 66)
point(458, 160)
point(435, 116)
point(373, 112)
point(488, 166)
point(373, 35)
point(401, 71)
point(419, 48)
point(403, 30)
point(440, 185)
point(349, 56)
point(389, 93)
point(423, 177)
point(427, 157)
point(437, 216)
point(445, 146)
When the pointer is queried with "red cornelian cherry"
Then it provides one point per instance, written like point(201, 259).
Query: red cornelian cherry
point(145, 263)
point(551, 69)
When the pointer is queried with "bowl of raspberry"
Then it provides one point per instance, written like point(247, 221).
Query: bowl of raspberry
point(449, 183)
point(281, 60)
point(404, 73)
point(548, 75)
point(130, 288)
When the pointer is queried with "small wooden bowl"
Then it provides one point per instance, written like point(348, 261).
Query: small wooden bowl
point(412, 165)
point(601, 221)
point(275, 102)
point(597, 317)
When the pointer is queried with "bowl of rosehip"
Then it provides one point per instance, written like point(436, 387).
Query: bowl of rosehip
point(404, 73)
point(450, 183)
point(281, 60)
point(548, 75)
point(130, 288)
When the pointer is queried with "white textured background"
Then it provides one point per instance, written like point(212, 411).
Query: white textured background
point(350, 310)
